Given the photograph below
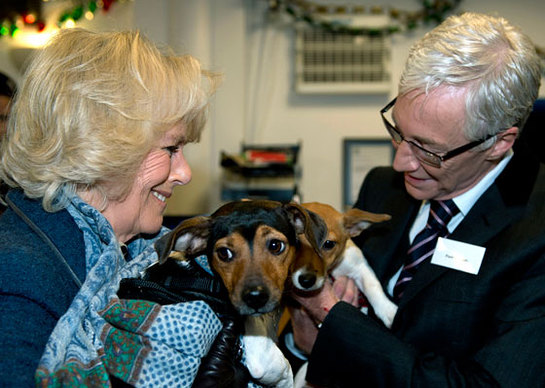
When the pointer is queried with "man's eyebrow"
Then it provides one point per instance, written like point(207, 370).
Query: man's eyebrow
point(419, 139)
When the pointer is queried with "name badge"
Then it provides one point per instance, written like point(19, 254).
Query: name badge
point(458, 255)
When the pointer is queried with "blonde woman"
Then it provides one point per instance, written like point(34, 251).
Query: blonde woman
point(93, 150)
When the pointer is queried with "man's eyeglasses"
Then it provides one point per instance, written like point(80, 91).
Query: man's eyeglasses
point(422, 154)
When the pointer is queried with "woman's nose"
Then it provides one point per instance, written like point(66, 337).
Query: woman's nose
point(180, 172)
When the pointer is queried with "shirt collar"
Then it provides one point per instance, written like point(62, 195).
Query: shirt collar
point(466, 200)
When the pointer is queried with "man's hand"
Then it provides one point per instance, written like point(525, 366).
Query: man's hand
point(304, 329)
point(315, 308)
point(346, 290)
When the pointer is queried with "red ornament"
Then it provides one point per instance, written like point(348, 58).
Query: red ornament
point(107, 4)
point(29, 18)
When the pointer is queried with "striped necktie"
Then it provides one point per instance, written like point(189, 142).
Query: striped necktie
point(423, 246)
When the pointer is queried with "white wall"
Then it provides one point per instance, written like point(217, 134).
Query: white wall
point(256, 102)
point(275, 113)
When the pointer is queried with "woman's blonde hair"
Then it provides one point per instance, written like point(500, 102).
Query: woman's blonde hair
point(90, 108)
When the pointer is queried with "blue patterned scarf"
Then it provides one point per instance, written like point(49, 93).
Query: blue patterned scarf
point(100, 335)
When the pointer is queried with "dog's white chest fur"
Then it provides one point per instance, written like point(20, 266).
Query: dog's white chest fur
point(355, 266)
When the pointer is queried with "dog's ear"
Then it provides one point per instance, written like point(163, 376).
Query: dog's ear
point(308, 223)
point(189, 238)
point(356, 220)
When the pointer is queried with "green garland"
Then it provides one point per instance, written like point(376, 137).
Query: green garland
point(10, 26)
point(78, 10)
point(309, 12)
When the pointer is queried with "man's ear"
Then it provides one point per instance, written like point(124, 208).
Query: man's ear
point(504, 143)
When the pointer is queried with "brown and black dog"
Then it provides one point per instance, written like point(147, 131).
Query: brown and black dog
point(252, 246)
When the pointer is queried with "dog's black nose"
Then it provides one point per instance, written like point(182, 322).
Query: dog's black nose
point(255, 297)
point(307, 280)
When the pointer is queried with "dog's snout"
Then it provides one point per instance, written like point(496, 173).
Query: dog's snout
point(256, 297)
point(307, 280)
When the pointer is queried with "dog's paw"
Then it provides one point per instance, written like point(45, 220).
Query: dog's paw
point(266, 363)
point(299, 380)
point(386, 312)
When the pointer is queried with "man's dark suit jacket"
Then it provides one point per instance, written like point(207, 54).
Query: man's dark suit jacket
point(452, 329)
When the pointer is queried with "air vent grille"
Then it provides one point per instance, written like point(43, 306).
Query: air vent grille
point(341, 63)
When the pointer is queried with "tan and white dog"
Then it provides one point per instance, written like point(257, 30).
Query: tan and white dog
point(339, 256)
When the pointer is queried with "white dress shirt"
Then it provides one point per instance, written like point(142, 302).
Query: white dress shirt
point(464, 202)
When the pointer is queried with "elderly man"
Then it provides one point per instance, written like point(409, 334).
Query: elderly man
point(464, 252)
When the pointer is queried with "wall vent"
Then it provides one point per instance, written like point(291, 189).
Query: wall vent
point(341, 63)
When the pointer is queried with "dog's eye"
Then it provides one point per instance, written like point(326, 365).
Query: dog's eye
point(225, 254)
point(276, 247)
point(329, 245)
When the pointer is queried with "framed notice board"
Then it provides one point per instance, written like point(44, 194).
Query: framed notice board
point(359, 157)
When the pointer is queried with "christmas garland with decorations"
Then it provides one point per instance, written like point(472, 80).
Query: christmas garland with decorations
point(11, 25)
point(315, 15)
